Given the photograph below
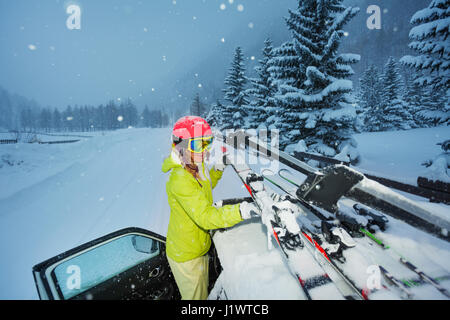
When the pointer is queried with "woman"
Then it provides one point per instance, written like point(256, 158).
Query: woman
point(189, 191)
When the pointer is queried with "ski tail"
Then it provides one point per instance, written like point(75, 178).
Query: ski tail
point(397, 283)
point(425, 277)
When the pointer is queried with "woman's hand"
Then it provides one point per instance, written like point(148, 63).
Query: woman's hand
point(248, 210)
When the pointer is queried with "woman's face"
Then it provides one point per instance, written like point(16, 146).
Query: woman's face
point(199, 157)
point(195, 158)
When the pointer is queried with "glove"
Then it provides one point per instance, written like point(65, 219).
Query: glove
point(221, 164)
point(248, 210)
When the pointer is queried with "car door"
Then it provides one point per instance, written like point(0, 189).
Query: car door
point(126, 264)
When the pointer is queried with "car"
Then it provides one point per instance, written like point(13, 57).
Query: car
point(128, 264)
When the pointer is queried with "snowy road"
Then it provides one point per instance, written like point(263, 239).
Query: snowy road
point(92, 187)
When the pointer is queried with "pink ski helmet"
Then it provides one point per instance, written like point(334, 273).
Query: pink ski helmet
point(190, 127)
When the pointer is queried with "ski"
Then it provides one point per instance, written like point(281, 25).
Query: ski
point(311, 270)
point(351, 225)
point(397, 283)
point(380, 221)
point(328, 237)
point(425, 277)
point(325, 187)
point(410, 283)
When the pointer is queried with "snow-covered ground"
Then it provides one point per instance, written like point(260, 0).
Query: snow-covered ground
point(398, 155)
point(55, 197)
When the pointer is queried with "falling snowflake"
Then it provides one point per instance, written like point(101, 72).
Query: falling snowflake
point(32, 47)
point(223, 6)
point(120, 118)
point(240, 7)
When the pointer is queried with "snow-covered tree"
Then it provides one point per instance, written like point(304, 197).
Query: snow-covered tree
point(214, 117)
point(262, 90)
point(370, 98)
point(284, 74)
point(235, 93)
point(429, 37)
point(435, 107)
point(315, 100)
point(395, 113)
point(413, 97)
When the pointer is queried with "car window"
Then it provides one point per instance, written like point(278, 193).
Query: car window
point(101, 263)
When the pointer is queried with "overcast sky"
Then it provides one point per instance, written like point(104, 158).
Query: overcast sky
point(161, 52)
point(125, 48)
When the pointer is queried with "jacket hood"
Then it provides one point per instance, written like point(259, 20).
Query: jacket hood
point(171, 162)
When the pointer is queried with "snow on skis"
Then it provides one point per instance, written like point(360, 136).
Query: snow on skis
point(298, 248)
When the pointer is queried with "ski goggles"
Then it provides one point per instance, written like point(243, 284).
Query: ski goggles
point(199, 145)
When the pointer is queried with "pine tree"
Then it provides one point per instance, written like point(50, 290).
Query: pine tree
point(316, 104)
point(214, 117)
point(435, 108)
point(197, 107)
point(413, 97)
point(45, 119)
point(394, 110)
point(370, 98)
point(6, 109)
point(283, 68)
point(262, 90)
point(145, 117)
point(56, 120)
point(429, 38)
point(235, 93)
